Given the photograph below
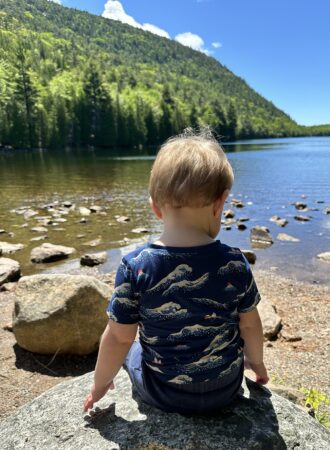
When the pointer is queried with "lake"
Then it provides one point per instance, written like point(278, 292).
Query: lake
point(270, 175)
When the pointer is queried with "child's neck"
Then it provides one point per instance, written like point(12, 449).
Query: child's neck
point(183, 236)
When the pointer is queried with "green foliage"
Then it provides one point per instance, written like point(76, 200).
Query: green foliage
point(319, 405)
point(69, 78)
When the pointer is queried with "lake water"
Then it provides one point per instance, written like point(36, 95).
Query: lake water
point(270, 176)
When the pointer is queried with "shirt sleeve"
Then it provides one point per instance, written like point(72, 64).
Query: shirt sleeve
point(123, 305)
point(251, 296)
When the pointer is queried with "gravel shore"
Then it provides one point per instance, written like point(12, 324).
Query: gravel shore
point(299, 357)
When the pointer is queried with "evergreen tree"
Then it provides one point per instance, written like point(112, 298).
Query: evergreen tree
point(231, 122)
point(27, 95)
point(152, 128)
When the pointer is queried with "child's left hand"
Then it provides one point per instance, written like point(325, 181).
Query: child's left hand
point(95, 395)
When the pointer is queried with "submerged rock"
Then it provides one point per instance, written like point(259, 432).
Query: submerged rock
point(278, 221)
point(287, 237)
point(241, 226)
point(300, 206)
point(93, 243)
point(237, 203)
point(29, 213)
point(10, 270)
point(48, 252)
point(302, 218)
point(39, 229)
point(39, 238)
point(93, 259)
point(258, 420)
point(260, 237)
point(60, 313)
point(324, 256)
point(8, 247)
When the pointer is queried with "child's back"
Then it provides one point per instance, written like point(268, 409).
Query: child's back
point(187, 301)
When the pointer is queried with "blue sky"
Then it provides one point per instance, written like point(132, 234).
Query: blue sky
point(280, 47)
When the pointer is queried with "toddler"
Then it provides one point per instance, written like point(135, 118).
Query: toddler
point(192, 298)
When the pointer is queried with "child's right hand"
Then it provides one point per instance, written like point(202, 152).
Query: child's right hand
point(259, 370)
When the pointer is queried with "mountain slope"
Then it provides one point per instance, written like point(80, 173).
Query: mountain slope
point(71, 78)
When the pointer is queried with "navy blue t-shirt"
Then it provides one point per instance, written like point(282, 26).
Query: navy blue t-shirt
point(186, 301)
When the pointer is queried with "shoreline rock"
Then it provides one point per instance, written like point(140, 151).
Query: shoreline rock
point(10, 270)
point(60, 313)
point(48, 252)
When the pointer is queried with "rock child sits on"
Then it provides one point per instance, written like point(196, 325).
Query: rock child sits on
point(191, 297)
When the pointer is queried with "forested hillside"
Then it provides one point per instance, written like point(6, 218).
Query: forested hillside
point(69, 78)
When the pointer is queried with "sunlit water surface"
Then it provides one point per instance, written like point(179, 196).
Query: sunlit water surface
point(270, 175)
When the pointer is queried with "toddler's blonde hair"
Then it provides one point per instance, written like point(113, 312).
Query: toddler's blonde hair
point(190, 169)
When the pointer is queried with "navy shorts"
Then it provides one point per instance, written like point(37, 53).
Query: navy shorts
point(197, 398)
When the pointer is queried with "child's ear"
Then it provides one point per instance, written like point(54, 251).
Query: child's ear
point(155, 209)
point(219, 204)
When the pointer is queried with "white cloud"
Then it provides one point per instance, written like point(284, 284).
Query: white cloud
point(192, 40)
point(156, 30)
point(114, 10)
point(59, 2)
point(216, 44)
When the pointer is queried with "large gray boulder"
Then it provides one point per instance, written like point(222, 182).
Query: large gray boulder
point(260, 421)
point(58, 313)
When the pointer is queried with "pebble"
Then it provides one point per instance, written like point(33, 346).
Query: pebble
point(123, 219)
point(140, 230)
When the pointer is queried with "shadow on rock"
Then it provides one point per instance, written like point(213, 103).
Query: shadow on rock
point(56, 365)
point(250, 422)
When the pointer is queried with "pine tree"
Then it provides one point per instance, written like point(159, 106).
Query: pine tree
point(231, 122)
point(27, 95)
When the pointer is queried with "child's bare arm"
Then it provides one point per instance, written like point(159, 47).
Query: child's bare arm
point(115, 343)
point(252, 334)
